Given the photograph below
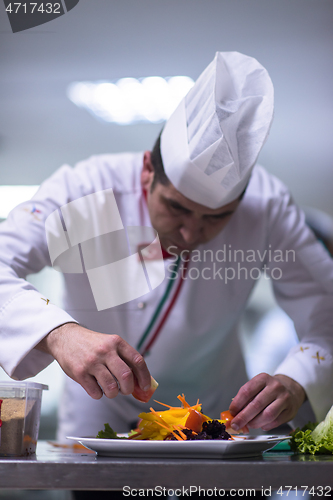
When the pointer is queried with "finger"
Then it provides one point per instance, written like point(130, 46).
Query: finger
point(253, 408)
point(90, 385)
point(269, 416)
point(136, 362)
point(247, 393)
point(121, 373)
point(282, 419)
point(106, 381)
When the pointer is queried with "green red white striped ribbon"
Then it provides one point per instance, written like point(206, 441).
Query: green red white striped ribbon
point(148, 338)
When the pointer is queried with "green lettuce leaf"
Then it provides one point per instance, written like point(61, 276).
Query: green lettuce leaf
point(323, 433)
point(314, 438)
point(108, 433)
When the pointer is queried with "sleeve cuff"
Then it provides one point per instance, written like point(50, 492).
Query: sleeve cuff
point(28, 317)
point(311, 366)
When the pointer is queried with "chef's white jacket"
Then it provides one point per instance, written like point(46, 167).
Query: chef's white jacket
point(197, 351)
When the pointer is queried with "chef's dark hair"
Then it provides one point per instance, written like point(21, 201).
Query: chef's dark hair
point(156, 159)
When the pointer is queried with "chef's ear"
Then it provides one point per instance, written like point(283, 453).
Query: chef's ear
point(147, 174)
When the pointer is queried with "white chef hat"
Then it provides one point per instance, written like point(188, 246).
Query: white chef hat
point(211, 142)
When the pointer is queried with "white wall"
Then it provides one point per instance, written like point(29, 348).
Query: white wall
point(107, 39)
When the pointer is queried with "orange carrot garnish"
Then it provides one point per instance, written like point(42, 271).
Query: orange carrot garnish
point(183, 401)
point(176, 427)
point(168, 406)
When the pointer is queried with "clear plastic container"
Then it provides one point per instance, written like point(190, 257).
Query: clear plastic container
point(20, 405)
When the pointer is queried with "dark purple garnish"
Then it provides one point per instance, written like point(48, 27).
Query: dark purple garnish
point(213, 429)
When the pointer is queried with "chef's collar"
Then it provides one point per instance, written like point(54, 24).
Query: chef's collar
point(166, 255)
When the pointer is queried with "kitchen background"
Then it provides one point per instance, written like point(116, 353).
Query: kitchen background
point(105, 40)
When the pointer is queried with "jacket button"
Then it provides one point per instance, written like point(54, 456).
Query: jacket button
point(141, 305)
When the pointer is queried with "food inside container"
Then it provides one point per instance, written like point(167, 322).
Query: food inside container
point(20, 409)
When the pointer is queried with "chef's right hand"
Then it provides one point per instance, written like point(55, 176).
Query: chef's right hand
point(97, 360)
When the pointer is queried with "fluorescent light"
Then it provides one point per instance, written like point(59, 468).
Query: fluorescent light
point(11, 196)
point(131, 100)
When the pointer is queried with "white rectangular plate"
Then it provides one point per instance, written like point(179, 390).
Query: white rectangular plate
point(242, 446)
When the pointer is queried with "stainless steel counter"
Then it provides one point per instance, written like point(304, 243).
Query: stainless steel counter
point(58, 468)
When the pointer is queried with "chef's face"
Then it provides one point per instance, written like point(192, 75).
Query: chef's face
point(181, 223)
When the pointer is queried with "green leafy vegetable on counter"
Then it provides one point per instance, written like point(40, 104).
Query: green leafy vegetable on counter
point(301, 440)
point(108, 433)
point(313, 438)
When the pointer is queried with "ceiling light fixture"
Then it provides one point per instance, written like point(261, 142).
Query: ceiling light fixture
point(131, 100)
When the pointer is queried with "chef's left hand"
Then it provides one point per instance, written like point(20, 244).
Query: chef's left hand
point(266, 402)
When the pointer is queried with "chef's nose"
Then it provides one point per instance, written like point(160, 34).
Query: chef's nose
point(191, 231)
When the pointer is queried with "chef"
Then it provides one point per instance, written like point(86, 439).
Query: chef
point(218, 221)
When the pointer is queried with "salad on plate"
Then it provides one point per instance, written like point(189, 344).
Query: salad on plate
point(182, 423)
